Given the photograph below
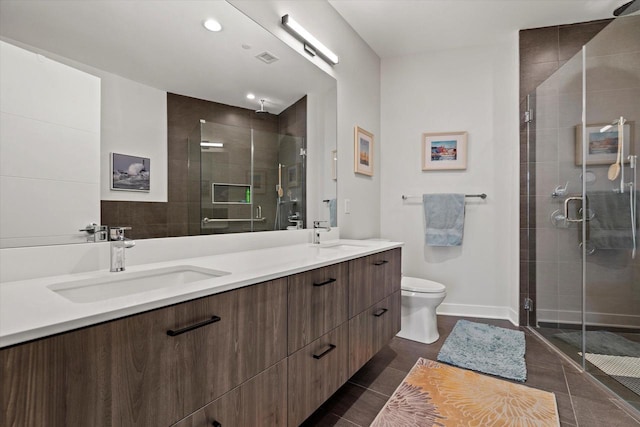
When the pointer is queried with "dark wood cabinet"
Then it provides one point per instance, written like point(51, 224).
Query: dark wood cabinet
point(316, 372)
point(259, 402)
point(60, 381)
point(250, 336)
point(373, 277)
point(373, 329)
point(317, 303)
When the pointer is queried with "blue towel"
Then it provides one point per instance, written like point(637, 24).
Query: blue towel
point(333, 213)
point(444, 219)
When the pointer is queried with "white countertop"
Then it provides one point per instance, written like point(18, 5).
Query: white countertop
point(30, 310)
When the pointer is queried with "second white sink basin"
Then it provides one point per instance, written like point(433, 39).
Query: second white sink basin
point(125, 283)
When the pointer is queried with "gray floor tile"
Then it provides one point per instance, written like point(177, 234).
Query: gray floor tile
point(355, 404)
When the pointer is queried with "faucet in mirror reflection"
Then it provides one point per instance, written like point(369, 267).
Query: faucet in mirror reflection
point(118, 244)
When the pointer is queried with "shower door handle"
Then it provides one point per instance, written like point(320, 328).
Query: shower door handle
point(566, 208)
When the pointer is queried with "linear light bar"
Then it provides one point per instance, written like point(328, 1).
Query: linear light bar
point(212, 144)
point(289, 23)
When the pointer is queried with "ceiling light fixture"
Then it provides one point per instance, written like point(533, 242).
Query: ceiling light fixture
point(311, 44)
point(251, 96)
point(212, 25)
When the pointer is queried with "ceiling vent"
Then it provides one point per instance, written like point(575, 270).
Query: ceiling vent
point(267, 57)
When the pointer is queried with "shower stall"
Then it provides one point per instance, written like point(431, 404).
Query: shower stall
point(582, 178)
point(244, 179)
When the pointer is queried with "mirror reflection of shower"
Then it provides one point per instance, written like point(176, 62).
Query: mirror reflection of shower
point(245, 179)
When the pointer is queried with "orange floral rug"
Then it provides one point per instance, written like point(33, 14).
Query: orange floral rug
point(434, 394)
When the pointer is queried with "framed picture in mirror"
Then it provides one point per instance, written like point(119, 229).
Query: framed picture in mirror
point(602, 143)
point(130, 173)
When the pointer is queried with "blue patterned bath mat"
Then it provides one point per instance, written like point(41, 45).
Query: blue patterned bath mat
point(486, 348)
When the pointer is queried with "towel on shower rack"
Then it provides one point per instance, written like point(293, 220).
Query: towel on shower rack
point(444, 219)
point(610, 227)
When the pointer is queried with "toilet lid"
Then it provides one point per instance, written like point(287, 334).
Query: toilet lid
point(414, 284)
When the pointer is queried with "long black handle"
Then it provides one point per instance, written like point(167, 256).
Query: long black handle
point(173, 333)
point(384, 261)
point(326, 282)
point(380, 312)
point(216, 424)
point(324, 353)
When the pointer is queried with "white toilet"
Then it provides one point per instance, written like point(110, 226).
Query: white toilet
point(420, 298)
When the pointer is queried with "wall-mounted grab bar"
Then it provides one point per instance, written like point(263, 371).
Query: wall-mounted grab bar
point(482, 196)
point(208, 220)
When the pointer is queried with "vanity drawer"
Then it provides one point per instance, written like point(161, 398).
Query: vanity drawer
point(373, 329)
point(316, 372)
point(372, 278)
point(249, 337)
point(317, 303)
point(261, 401)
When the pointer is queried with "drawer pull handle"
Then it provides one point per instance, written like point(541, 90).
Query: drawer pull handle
point(380, 312)
point(384, 261)
point(326, 282)
point(216, 424)
point(173, 333)
point(324, 353)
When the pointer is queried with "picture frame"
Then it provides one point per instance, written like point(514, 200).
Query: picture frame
point(130, 173)
point(293, 173)
point(444, 151)
point(259, 180)
point(603, 146)
point(363, 151)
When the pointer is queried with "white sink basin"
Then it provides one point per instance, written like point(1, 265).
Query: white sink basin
point(121, 284)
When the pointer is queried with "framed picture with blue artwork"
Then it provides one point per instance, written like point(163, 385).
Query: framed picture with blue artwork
point(444, 151)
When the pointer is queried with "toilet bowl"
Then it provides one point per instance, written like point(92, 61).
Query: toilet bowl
point(420, 298)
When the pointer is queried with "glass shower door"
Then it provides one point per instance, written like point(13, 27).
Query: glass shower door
point(612, 265)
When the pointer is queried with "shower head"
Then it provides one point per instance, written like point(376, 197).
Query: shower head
point(627, 8)
point(262, 110)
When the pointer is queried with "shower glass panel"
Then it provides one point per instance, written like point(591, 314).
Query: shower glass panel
point(584, 216)
point(244, 180)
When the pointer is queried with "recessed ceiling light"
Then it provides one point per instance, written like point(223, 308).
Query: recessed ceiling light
point(212, 25)
point(251, 96)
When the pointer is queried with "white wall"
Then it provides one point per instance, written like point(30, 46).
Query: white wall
point(358, 78)
point(474, 90)
point(49, 143)
point(134, 122)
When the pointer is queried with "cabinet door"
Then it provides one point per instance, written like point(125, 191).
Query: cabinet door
point(249, 336)
point(261, 401)
point(316, 372)
point(317, 303)
point(373, 329)
point(372, 278)
point(58, 381)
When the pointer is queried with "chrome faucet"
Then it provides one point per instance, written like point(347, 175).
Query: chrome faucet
point(118, 244)
point(317, 229)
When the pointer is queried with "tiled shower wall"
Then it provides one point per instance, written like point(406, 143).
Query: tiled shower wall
point(156, 219)
point(542, 52)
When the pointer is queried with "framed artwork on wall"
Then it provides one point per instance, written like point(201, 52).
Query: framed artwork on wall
point(602, 143)
point(444, 151)
point(130, 173)
point(363, 152)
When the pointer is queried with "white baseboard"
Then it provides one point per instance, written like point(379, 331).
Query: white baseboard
point(481, 311)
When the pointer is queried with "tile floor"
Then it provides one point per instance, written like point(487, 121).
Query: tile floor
point(581, 403)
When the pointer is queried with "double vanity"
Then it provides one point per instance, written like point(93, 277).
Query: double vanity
point(252, 338)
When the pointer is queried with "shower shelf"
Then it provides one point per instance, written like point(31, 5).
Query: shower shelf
point(208, 220)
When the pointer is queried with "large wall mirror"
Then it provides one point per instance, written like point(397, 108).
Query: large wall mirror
point(171, 99)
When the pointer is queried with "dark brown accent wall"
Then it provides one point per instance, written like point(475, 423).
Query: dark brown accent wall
point(542, 52)
point(170, 219)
